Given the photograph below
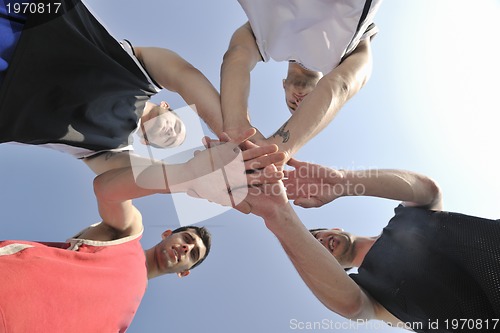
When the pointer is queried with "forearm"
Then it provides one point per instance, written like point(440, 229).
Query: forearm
point(239, 61)
point(320, 107)
point(313, 114)
point(319, 270)
point(412, 188)
point(235, 89)
point(128, 183)
point(141, 179)
point(197, 90)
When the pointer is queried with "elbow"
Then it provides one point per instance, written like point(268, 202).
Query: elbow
point(355, 309)
point(363, 79)
point(364, 74)
point(351, 313)
point(98, 186)
point(429, 194)
point(359, 308)
point(101, 190)
point(435, 194)
point(350, 83)
point(351, 306)
point(343, 86)
point(237, 56)
point(363, 66)
point(354, 81)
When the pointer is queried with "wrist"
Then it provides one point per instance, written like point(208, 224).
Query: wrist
point(282, 147)
point(236, 125)
point(278, 219)
point(180, 176)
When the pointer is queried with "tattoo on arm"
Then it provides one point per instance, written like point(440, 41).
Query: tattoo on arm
point(284, 134)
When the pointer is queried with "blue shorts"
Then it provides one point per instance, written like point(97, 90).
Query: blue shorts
point(11, 26)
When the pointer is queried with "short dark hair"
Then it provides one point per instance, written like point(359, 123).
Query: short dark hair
point(312, 231)
point(205, 236)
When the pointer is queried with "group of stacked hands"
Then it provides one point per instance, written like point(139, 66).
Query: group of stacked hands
point(242, 168)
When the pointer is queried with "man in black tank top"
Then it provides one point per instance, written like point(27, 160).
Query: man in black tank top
point(88, 91)
point(428, 270)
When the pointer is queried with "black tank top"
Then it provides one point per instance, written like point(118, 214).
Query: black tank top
point(71, 82)
point(431, 269)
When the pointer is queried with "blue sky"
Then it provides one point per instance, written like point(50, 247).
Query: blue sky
point(430, 106)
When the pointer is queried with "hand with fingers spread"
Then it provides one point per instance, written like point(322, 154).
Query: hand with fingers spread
point(225, 153)
point(266, 201)
point(224, 167)
point(264, 143)
point(312, 185)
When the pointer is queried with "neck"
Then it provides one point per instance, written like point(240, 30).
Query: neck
point(151, 263)
point(362, 246)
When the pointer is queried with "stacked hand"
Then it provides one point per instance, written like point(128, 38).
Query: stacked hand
point(261, 140)
point(309, 185)
point(217, 172)
point(238, 173)
point(312, 185)
point(234, 132)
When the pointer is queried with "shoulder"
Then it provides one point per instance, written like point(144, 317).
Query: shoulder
point(103, 232)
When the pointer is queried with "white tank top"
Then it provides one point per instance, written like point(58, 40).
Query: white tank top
point(315, 33)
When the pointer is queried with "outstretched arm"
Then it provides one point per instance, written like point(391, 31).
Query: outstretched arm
point(316, 266)
point(174, 73)
point(312, 185)
point(239, 60)
point(320, 106)
point(224, 165)
point(109, 160)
